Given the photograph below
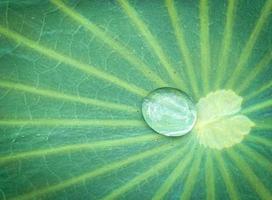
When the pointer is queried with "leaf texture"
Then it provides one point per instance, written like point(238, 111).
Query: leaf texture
point(73, 75)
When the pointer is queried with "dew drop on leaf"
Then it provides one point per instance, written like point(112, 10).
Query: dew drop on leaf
point(169, 111)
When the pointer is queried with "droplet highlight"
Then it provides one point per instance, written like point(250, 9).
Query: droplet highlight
point(169, 111)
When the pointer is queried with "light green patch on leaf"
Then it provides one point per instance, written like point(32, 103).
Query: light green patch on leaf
point(219, 123)
point(73, 76)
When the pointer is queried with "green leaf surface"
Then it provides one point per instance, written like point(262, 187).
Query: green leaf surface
point(73, 75)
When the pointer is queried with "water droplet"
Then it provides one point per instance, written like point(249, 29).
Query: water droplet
point(169, 111)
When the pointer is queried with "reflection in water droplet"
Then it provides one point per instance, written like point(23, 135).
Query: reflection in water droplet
point(169, 111)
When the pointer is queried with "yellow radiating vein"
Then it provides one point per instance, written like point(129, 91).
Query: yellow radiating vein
point(265, 124)
point(190, 70)
point(246, 52)
point(153, 43)
point(78, 147)
point(259, 91)
point(226, 177)
point(204, 44)
point(65, 97)
point(144, 176)
point(72, 122)
point(260, 139)
point(257, 106)
point(209, 178)
point(117, 165)
point(226, 44)
point(111, 42)
point(254, 72)
point(192, 177)
point(91, 70)
point(175, 175)
point(251, 177)
point(256, 157)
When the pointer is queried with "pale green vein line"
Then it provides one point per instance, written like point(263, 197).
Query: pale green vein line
point(246, 52)
point(190, 70)
point(257, 107)
point(258, 91)
point(263, 124)
point(192, 177)
point(73, 122)
point(229, 183)
point(251, 177)
point(226, 44)
point(259, 139)
point(204, 43)
point(144, 176)
point(65, 97)
point(175, 175)
point(118, 46)
point(256, 157)
point(90, 70)
point(117, 165)
point(152, 41)
point(7, 14)
point(209, 178)
point(104, 144)
point(260, 67)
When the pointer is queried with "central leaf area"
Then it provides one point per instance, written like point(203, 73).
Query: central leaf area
point(219, 124)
